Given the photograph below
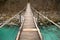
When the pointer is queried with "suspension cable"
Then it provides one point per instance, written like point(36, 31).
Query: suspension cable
point(7, 21)
point(46, 17)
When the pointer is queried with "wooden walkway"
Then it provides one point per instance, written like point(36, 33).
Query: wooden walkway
point(29, 31)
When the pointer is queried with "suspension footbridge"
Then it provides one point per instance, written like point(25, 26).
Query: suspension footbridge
point(28, 27)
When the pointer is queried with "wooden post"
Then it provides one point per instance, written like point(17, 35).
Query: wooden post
point(20, 20)
point(38, 20)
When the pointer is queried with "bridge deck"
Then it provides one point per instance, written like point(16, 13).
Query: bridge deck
point(29, 31)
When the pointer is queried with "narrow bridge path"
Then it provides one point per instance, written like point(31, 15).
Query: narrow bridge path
point(29, 31)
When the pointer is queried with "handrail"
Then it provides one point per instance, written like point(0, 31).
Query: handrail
point(20, 30)
point(7, 21)
point(46, 18)
point(37, 28)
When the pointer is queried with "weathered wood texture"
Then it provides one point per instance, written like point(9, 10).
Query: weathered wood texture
point(29, 25)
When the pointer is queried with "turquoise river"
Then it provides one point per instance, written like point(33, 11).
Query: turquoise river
point(50, 32)
point(9, 32)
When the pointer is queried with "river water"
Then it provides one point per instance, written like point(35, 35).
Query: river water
point(50, 32)
point(9, 32)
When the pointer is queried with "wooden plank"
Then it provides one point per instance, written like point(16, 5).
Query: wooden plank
point(29, 29)
point(29, 36)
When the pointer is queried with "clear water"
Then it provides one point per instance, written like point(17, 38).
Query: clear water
point(50, 32)
point(8, 32)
